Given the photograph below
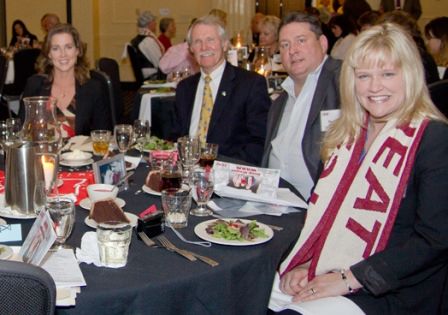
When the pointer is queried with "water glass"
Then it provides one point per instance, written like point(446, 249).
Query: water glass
point(202, 191)
point(14, 126)
point(113, 243)
point(123, 137)
point(100, 141)
point(189, 154)
point(176, 204)
point(62, 212)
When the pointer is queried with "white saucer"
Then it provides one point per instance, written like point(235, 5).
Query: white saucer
point(67, 157)
point(86, 203)
point(8, 213)
point(76, 164)
point(132, 217)
point(150, 191)
point(5, 252)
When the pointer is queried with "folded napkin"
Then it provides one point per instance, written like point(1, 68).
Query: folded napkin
point(89, 253)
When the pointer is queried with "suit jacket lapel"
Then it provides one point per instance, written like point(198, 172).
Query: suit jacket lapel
point(224, 94)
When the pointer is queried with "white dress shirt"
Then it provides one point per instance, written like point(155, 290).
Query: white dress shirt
point(216, 76)
point(287, 153)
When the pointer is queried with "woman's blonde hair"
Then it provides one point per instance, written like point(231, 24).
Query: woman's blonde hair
point(45, 65)
point(379, 46)
point(272, 22)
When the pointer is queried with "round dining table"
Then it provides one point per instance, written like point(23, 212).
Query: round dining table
point(157, 281)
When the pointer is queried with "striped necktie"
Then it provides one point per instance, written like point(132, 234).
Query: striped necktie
point(206, 110)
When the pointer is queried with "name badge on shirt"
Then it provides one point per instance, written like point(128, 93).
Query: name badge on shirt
point(327, 117)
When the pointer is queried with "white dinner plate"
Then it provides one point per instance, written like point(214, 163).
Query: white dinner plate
point(132, 217)
point(76, 164)
point(86, 203)
point(10, 214)
point(151, 191)
point(200, 230)
point(5, 252)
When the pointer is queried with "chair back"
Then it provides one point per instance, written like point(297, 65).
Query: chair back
point(4, 105)
point(26, 289)
point(110, 67)
point(135, 64)
point(108, 87)
point(24, 67)
point(439, 95)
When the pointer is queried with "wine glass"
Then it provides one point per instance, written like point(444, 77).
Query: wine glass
point(189, 150)
point(123, 137)
point(202, 191)
point(14, 127)
point(62, 213)
point(142, 134)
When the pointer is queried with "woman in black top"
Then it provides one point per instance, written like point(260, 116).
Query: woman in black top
point(21, 36)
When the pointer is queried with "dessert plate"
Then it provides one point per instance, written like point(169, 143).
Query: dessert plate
point(132, 217)
point(150, 191)
point(86, 203)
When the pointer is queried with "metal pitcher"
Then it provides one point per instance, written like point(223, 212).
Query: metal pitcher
point(23, 171)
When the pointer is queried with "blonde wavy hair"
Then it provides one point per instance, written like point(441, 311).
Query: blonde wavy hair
point(379, 46)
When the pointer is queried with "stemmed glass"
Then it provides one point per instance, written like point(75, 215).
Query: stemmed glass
point(14, 127)
point(189, 150)
point(62, 213)
point(123, 137)
point(142, 134)
point(202, 191)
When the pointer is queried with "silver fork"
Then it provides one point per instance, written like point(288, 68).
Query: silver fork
point(169, 246)
point(205, 259)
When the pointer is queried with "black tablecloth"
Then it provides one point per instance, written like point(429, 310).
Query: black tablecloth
point(156, 281)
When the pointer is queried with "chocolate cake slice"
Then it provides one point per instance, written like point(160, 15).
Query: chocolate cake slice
point(153, 181)
point(107, 210)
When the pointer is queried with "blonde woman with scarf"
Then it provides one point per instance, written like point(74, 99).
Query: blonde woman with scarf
point(375, 240)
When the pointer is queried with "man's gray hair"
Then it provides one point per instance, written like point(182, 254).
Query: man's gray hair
point(209, 20)
point(144, 18)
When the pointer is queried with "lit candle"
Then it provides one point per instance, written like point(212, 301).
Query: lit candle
point(48, 166)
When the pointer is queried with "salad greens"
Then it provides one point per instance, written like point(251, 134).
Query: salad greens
point(158, 144)
point(235, 230)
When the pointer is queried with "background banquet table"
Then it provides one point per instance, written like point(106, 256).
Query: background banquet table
point(156, 281)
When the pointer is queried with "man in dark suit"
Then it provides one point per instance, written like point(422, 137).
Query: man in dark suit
point(236, 100)
point(413, 7)
point(299, 116)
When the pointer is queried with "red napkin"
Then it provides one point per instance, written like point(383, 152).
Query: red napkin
point(76, 183)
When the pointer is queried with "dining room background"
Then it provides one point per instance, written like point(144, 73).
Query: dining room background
point(107, 25)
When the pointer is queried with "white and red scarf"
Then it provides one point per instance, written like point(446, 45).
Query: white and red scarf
point(355, 203)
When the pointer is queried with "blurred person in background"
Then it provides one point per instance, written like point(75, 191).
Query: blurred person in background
point(413, 7)
point(21, 36)
point(409, 24)
point(149, 48)
point(255, 27)
point(63, 72)
point(167, 28)
point(436, 33)
point(345, 32)
point(48, 21)
point(268, 27)
point(368, 19)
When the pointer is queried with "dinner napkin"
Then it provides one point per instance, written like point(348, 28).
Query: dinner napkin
point(89, 253)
